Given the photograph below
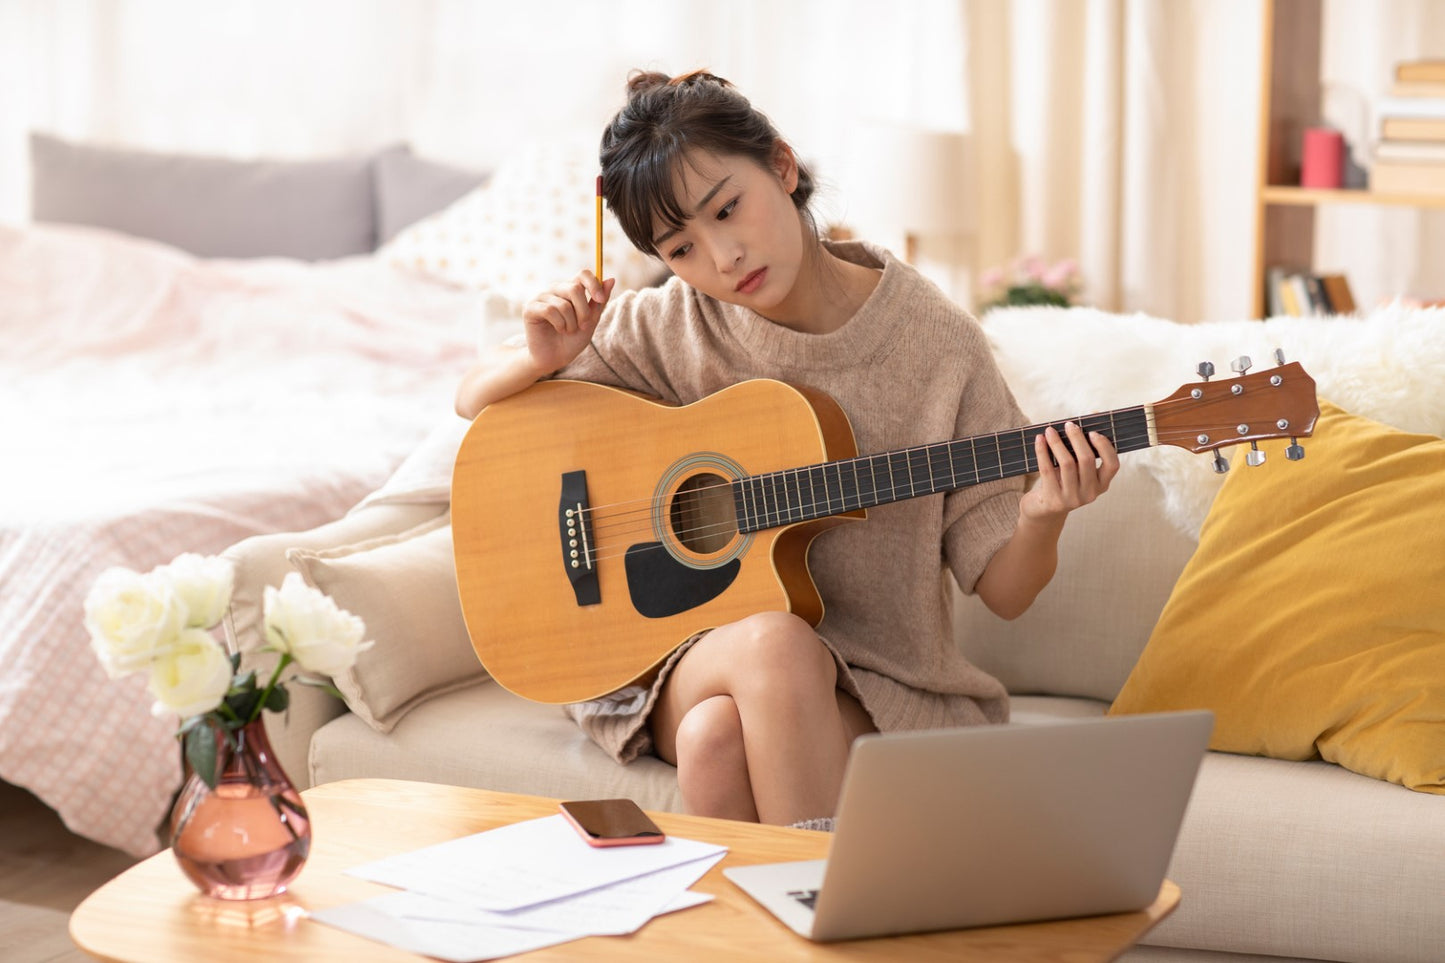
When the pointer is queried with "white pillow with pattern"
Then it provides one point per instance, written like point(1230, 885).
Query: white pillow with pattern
point(530, 227)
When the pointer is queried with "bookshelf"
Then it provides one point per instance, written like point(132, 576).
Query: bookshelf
point(1284, 227)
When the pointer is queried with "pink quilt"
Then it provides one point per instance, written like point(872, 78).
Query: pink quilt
point(151, 404)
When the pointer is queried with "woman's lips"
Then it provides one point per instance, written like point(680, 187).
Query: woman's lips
point(752, 282)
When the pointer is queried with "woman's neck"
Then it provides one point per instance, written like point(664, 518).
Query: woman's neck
point(828, 293)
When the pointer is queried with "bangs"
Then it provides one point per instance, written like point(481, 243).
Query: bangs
point(643, 190)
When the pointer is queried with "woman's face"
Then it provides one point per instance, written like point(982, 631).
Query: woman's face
point(743, 241)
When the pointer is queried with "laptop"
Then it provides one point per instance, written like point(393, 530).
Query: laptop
point(988, 825)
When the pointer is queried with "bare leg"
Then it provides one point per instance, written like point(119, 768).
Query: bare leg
point(794, 724)
point(712, 763)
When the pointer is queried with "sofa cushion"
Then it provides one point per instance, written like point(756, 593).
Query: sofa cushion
point(209, 206)
point(1298, 859)
point(403, 587)
point(1118, 559)
point(1311, 619)
point(486, 737)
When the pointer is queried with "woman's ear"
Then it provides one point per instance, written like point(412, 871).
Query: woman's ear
point(785, 165)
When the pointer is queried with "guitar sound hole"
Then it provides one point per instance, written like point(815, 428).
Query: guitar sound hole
point(702, 514)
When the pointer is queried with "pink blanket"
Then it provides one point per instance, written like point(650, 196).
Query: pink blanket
point(151, 404)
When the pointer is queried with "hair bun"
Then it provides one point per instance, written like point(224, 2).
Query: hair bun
point(642, 81)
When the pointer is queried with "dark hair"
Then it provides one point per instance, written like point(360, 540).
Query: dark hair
point(646, 142)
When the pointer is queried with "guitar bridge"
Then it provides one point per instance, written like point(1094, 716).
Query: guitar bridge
point(579, 556)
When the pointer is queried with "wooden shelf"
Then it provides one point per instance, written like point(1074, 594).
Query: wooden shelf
point(1290, 101)
point(1314, 196)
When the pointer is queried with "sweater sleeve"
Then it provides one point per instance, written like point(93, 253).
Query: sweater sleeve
point(628, 349)
point(980, 519)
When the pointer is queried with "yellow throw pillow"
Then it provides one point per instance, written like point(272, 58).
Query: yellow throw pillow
point(1311, 619)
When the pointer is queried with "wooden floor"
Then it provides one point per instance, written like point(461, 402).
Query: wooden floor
point(45, 871)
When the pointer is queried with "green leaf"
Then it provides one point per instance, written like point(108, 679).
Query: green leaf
point(235, 662)
point(201, 753)
point(244, 683)
point(278, 700)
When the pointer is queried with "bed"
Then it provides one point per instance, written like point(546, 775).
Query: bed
point(196, 350)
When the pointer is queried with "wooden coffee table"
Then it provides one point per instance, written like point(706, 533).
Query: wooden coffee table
point(152, 914)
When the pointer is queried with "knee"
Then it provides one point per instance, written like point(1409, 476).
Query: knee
point(778, 649)
point(711, 731)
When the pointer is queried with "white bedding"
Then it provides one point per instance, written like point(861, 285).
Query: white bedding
point(152, 403)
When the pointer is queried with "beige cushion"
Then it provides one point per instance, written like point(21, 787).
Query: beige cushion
point(404, 588)
point(485, 737)
point(1118, 559)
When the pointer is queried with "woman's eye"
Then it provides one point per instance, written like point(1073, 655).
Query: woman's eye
point(679, 252)
point(727, 209)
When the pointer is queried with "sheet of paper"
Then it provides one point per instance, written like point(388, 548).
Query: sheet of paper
point(454, 942)
point(524, 864)
point(458, 934)
point(607, 911)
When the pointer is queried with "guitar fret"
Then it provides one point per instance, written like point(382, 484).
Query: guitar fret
point(801, 494)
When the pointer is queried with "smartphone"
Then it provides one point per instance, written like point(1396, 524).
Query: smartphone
point(611, 822)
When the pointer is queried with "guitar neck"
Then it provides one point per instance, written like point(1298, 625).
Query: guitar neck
point(833, 488)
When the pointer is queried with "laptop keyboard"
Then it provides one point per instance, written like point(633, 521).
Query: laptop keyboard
point(808, 897)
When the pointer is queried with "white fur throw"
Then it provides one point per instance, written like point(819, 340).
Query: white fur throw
point(1388, 365)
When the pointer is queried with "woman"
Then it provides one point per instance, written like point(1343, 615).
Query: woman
point(758, 715)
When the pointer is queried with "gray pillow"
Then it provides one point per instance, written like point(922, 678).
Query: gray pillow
point(209, 206)
point(408, 188)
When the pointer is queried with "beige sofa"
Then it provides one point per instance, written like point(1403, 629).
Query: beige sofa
point(1276, 859)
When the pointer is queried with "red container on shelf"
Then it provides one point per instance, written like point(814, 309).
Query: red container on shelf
point(1322, 163)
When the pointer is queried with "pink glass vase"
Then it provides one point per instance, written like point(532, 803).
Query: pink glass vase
point(248, 837)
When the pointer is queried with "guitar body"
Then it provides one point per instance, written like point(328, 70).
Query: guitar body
point(659, 556)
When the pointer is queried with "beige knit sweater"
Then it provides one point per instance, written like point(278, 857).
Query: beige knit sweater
point(910, 367)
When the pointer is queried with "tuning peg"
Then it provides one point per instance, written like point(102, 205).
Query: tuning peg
point(1221, 464)
point(1279, 356)
point(1241, 364)
point(1206, 369)
point(1295, 451)
point(1254, 457)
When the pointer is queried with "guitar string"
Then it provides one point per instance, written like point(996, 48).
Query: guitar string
point(609, 520)
point(609, 526)
point(628, 524)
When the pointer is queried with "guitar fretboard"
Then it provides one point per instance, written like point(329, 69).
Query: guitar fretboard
point(832, 488)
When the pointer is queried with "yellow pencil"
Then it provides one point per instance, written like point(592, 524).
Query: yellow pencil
point(599, 227)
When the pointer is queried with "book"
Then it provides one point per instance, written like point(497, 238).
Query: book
point(1411, 150)
point(1431, 107)
point(1407, 177)
point(1337, 290)
point(1287, 298)
point(1413, 128)
point(1304, 294)
point(1418, 88)
point(1420, 70)
point(1274, 304)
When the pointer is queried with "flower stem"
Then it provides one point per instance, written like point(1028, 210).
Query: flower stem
point(281, 664)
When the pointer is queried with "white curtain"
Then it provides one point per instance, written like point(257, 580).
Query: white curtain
point(1118, 132)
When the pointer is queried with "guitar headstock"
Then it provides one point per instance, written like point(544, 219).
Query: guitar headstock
point(1277, 402)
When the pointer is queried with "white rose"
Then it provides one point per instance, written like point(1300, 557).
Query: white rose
point(204, 583)
point(192, 677)
point(320, 636)
point(131, 619)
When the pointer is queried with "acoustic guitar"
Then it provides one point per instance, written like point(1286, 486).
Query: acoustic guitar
point(596, 530)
